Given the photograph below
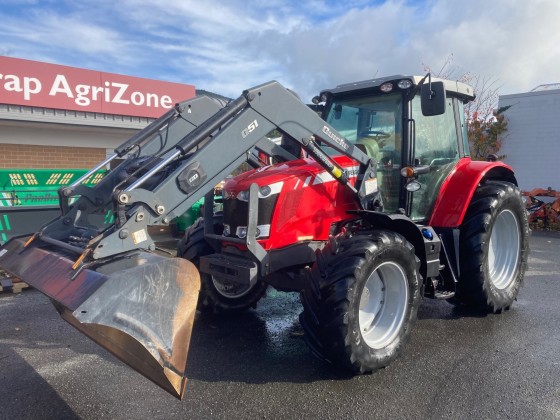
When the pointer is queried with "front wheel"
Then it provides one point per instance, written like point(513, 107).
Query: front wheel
point(361, 300)
point(217, 295)
point(493, 247)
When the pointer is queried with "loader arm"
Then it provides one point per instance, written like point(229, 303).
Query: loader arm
point(205, 156)
point(97, 262)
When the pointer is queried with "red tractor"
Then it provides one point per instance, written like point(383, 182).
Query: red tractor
point(385, 207)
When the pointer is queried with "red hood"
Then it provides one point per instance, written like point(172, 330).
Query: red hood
point(267, 175)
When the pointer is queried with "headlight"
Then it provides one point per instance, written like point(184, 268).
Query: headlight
point(263, 231)
point(243, 195)
point(404, 84)
point(265, 191)
point(386, 87)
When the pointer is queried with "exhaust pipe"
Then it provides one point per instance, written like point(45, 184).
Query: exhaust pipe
point(140, 306)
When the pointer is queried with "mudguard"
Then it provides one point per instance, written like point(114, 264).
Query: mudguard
point(458, 188)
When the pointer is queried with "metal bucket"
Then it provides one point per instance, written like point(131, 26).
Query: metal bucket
point(140, 307)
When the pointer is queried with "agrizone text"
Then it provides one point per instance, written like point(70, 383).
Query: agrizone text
point(82, 94)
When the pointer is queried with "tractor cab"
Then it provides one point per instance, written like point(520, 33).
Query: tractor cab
point(394, 121)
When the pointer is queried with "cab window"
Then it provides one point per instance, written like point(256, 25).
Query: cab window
point(436, 146)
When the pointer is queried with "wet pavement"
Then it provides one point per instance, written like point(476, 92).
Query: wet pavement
point(458, 365)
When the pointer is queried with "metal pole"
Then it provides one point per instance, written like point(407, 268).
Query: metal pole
point(94, 170)
point(152, 171)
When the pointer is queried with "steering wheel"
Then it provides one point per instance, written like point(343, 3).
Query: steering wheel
point(376, 135)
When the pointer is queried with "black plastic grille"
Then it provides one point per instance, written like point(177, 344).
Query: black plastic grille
point(236, 212)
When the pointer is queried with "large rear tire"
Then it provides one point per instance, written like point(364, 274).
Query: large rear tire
point(361, 300)
point(493, 247)
point(217, 296)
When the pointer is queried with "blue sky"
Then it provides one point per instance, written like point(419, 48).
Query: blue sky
point(227, 46)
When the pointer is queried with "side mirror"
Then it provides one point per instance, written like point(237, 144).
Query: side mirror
point(432, 99)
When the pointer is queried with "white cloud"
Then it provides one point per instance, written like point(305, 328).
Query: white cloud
point(229, 46)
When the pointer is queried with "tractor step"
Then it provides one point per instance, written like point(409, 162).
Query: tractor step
point(443, 294)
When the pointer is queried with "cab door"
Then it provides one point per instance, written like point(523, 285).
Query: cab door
point(437, 146)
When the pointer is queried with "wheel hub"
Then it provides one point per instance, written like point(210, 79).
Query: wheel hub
point(230, 290)
point(503, 250)
point(383, 304)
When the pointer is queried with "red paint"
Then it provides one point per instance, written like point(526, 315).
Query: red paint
point(32, 83)
point(457, 190)
point(309, 203)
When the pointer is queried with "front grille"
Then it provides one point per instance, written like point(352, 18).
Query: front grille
point(236, 212)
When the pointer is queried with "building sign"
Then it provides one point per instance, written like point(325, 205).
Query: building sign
point(32, 83)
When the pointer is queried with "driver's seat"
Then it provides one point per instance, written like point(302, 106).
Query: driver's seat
point(369, 147)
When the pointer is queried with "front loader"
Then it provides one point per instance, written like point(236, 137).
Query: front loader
point(386, 207)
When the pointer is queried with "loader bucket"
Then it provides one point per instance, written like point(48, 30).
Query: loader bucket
point(140, 307)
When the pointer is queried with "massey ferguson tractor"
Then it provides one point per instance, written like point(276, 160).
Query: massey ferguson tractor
point(372, 204)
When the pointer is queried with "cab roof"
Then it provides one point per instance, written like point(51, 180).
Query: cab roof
point(452, 86)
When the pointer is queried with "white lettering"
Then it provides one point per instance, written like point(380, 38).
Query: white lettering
point(81, 98)
point(31, 86)
point(149, 98)
point(14, 85)
point(117, 99)
point(166, 102)
point(84, 95)
point(94, 91)
point(137, 98)
point(334, 137)
point(60, 85)
point(250, 128)
point(107, 92)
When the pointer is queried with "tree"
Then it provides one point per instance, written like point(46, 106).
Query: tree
point(486, 134)
point(486, 125)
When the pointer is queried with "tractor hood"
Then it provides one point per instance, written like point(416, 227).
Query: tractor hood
point(280, 172)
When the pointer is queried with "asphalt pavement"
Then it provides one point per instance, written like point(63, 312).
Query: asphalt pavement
point(458, 364)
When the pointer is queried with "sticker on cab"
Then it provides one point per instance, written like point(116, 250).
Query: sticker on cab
point(371, 186)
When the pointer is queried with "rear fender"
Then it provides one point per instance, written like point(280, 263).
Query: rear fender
point(459, 187)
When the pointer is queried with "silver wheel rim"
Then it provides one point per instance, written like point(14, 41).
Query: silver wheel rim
point(503, 250)
point(231, 290)
point(383, 304)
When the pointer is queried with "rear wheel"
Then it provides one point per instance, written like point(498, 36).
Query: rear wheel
point(361, 300)
point(494, 247)
point(216, 295)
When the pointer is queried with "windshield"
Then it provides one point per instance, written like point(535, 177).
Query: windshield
point(374, 124)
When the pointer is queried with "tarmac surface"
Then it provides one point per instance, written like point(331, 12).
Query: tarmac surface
point(458, 364)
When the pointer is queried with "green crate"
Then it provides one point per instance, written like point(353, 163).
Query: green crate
point(38, 187)
point(29, 197)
